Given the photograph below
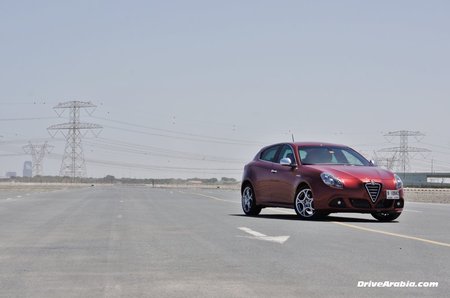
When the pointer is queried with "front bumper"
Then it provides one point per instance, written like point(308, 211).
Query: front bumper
point(356, 200)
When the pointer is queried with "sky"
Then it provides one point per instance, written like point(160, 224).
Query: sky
point(196, 88)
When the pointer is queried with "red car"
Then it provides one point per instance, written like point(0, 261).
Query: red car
point(317, 179)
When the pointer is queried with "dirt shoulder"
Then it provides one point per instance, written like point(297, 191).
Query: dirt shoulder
point(428, 195)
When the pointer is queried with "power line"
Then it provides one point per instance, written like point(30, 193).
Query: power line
point(110, 163)
point(27, 118)
point(36, 140)
point(434, 145)
point(11, 154)
point(154, 151)
point(436, 163)
point(16, 103)
point(177, 134)
point(186, 138)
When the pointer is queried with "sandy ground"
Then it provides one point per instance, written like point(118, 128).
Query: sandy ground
point(428, 195)
point(39, 187)
point(8, 190)
point(19, 190)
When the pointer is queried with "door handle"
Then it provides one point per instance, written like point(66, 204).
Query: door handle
point(273, 171)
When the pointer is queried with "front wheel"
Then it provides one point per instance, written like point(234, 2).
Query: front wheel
point(249, 203)
point(386, 216)
point(303, 204)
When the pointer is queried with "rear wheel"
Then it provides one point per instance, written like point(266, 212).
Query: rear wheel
point(303, 204)
point(386, 216)
point(248, 202)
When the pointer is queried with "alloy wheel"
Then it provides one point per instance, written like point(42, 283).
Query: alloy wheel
point(304, 203)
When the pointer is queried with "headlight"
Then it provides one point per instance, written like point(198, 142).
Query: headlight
point(398, 182)
point(331, 181)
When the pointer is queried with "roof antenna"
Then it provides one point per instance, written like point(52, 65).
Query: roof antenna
point(292, 138)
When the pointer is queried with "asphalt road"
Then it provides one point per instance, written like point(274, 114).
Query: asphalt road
point(124, 241)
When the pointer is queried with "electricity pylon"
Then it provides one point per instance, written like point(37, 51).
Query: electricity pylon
point(37, 153)
point(403, 151)
point(73, 164)
point(387, 162)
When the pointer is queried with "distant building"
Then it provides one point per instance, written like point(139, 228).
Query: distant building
point(11, 174)
point(28, 169)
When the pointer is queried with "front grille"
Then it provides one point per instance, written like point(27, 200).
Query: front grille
point(373, 189)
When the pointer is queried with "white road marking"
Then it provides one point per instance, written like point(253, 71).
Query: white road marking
point(19, 197)
point(214, 198)
point(121, 201)
point(251, 232)
point(260, 236)
point(119, 216)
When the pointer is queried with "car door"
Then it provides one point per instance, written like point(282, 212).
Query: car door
point(284, 178)
point(263, 171)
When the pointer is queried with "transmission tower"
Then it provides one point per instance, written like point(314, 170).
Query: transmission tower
point(73, 163)
point(387, 162)
point(37, 153)
point(404, 150)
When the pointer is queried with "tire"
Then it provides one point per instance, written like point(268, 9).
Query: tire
point(249, 202)
point(386, 216)
point(304, 204)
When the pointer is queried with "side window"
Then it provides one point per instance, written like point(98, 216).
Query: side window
point(269, 154)
point(302, 153)
point(287, 152)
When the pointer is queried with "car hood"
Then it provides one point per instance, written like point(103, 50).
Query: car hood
point(357, 172)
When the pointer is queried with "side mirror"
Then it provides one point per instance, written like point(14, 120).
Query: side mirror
point(372, 163)
point(287, 162)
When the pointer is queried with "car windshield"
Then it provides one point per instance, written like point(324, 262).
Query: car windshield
point(331, 155)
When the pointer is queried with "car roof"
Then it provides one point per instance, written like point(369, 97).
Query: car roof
point(306, 144)
point(318, 144)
